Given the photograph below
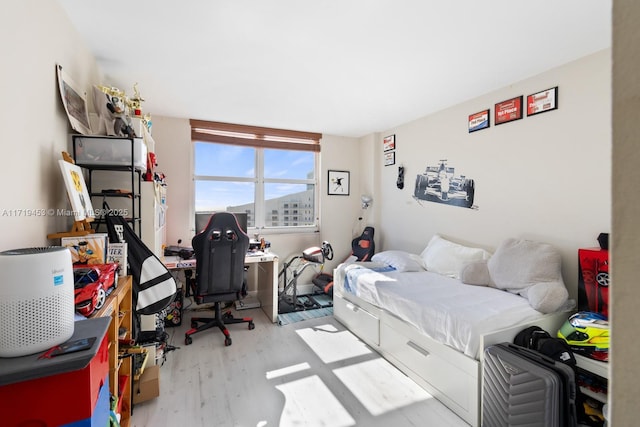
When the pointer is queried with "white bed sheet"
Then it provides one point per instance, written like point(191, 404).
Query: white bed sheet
point(441, 307)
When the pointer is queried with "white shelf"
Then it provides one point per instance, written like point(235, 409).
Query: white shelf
point(600, 397)
point(594, 366)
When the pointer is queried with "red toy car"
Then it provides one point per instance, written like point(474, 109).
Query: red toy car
point(92, 284)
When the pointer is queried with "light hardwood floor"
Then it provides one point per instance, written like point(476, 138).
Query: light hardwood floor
point(310, 373)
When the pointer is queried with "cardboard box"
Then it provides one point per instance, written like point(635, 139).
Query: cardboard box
point(148, 386)
point(87, 250)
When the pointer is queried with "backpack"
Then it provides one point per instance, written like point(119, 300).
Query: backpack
point(536, 338)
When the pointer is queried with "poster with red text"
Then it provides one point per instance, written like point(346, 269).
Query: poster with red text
point(507, 111)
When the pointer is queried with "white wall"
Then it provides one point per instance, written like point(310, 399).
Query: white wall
point(34, 36)
point(545, 177)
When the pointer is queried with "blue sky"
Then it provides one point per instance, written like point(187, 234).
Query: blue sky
point(235, 161)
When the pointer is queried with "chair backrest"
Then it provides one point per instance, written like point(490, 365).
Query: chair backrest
point(363, 247)
point(220, 250)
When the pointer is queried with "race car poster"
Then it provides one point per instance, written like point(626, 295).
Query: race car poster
point(508, 111)
point(440, 184)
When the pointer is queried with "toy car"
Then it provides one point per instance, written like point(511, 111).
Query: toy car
point(92, 284)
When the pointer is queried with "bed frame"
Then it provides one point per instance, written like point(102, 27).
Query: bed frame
point(452, 377)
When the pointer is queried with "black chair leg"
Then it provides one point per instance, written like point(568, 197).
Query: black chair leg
point(199, 324)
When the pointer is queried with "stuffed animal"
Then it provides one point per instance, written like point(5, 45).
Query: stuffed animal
point(109, 104)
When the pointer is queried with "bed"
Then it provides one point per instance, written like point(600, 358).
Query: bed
point(432, 315)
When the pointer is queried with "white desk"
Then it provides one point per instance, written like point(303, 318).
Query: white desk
point(267, 271)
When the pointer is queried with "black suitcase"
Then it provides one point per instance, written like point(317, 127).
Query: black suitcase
point(522, 387)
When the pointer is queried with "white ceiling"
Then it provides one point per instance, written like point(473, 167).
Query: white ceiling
point(340, 67)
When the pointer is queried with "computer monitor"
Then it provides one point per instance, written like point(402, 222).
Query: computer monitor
point(202, 219)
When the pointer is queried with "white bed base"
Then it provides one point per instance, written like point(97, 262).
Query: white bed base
point(452, 377)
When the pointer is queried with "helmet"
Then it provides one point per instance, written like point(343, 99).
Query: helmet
point(587, 333)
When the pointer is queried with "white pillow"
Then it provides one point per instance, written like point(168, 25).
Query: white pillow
point(448, 258)
point(400, 260)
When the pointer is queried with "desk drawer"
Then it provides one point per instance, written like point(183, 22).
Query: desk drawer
point(357, 319)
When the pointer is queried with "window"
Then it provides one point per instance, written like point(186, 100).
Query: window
point(260, 171)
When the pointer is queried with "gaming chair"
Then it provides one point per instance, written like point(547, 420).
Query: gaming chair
point(220, 250)
point(363, 247)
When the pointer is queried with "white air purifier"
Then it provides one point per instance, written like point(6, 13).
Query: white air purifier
point(36, 300)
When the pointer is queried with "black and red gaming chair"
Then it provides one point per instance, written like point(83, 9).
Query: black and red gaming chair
point(220, 250)
point(363, 247)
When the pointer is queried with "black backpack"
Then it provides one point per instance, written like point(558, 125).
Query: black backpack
point(536, 338)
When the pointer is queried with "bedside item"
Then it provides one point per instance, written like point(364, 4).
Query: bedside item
point(36, 299)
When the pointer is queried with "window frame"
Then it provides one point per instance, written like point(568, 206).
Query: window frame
point(260, 139)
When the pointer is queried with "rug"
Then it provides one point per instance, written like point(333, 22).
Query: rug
point(324, 307)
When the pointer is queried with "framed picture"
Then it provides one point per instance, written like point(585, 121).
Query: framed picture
point(390, 158)
point(389, 143)
point(77, 191)
point(479, 121)
point(338, 184)
point(74, 101)
point(508, 111)
point(540, 102)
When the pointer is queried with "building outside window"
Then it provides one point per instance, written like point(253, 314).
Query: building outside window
point(257, 178)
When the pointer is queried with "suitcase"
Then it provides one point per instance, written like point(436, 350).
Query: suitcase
point(522, 387)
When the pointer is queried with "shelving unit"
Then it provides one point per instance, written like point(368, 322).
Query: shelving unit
point(593, 368)
point(113, 154)
point(119, 307)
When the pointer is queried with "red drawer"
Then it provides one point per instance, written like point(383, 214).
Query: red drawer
point(56, 399)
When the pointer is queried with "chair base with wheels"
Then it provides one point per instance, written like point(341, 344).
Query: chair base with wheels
point(220, 320)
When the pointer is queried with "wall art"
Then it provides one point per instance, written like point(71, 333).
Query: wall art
point(390, 158)
point(439, 183)
point(338, 184)
point(508, 111)
point(479, 121)
point(389, 143)
point(79, 198)
point(543, 101)
point(74, 101)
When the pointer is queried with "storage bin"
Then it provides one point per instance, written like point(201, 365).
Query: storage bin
point(100, 415)
point(60, 399)
point(109, 151)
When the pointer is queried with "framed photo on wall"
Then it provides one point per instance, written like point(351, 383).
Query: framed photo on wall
point(479, 121)
point(390, 158)
point(389, 143)
point(543, 101)
point(338, 183)
point(508, 111)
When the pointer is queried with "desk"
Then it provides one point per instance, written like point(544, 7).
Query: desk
point(267, 264)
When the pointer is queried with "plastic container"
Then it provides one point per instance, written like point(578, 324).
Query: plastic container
point(109, 151)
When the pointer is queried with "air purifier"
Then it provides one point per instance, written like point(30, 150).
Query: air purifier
point(36, 300)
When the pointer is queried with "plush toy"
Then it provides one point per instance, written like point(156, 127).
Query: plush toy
point(109, 104)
